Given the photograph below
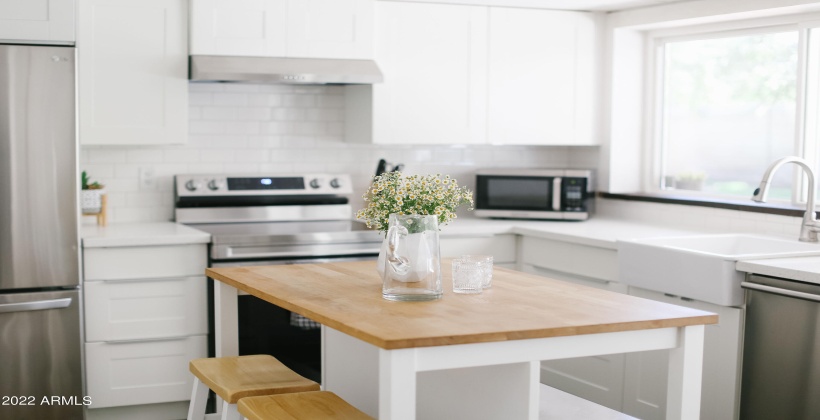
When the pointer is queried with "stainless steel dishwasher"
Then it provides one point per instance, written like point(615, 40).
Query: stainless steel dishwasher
point(781, 350)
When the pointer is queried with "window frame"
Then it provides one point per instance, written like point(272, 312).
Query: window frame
point(807, 113)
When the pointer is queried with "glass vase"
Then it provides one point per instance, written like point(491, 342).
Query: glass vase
point(409, 260)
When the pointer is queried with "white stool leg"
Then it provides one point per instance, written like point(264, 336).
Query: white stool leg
point(199, 398)
point(230, 411)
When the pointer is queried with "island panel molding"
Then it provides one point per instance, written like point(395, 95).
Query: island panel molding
point(518, 306)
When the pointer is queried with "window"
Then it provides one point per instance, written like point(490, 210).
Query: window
point(728, 106)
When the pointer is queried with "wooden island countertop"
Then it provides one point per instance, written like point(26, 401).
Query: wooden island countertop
point(346, 296)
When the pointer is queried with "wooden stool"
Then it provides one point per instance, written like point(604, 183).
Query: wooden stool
point(236, 377)
point(318, 405)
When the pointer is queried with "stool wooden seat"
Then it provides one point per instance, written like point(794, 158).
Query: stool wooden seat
point(232, 378)
point(317, 405)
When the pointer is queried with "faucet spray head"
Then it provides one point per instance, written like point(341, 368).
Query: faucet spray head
point(761, 192)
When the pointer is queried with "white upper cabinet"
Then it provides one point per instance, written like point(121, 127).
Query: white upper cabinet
point(541, 77)
point(133, 71)
point(457, 74)
point(37, 21)
point(239, 27)
point(433, 57)
point(283, 28)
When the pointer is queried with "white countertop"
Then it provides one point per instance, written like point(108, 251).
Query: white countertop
point(805, 269)
point(599, 232)
point(141, 234)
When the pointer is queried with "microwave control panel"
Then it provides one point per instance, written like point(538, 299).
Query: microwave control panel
point(574, 192)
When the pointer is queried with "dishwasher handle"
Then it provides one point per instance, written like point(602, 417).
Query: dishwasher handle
point(780, 291)
point(36, 305)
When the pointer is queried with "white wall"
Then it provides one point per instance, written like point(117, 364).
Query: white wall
point(282, 129)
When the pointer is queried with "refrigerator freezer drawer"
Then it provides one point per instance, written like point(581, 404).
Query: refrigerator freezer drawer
point(40, 353)
point(145, 309)
point(133, 373)
point(145, 262)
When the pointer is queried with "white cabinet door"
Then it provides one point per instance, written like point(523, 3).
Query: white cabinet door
point(541, 77)
point(433, 57)
point(37, 21)
point(142, 262)
point(239, 27)
point(146, 308)
point(149, 372)
point(133, 71)
point(645, 376)
point(283, 28)
point(600, 378)
point(501, 247)
point(330, 29)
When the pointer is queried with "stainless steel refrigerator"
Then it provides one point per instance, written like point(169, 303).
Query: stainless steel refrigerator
point(40, 342)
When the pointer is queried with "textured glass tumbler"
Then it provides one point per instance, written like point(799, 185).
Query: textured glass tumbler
point(468, 276)
point(486, 263)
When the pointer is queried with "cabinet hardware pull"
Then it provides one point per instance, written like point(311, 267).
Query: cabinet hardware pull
point(146, 340)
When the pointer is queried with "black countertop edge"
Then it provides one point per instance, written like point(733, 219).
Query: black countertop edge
point(765, 208)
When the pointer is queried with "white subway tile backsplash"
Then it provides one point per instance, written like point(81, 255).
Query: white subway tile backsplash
point(109, 156)
point(281, 129)
point(230, 99)
point(200, 98)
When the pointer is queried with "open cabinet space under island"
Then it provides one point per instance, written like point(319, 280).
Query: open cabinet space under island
point(403, 360)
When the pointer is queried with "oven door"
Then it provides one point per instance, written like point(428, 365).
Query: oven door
point(265, 328)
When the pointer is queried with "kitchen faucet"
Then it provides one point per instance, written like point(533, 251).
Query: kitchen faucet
point(810, 226)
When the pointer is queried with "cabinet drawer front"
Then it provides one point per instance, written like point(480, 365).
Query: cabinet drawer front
point(134, 373)
point(501, 247)
point(588, 261)
point(572, 278)
point(156, 308)
point(144, 262)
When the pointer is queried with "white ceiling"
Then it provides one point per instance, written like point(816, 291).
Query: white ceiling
point(601, 5)
point(587, 5)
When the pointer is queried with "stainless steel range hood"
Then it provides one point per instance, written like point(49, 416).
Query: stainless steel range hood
point(212, 68)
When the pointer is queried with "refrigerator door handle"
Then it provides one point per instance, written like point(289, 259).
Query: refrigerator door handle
point(36, 305)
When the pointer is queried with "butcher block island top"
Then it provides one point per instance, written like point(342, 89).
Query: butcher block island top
point(347, 297)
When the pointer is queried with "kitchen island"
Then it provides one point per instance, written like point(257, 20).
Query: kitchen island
point(463, 356)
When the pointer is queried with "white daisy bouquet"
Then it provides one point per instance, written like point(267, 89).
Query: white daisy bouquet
point(392, 192)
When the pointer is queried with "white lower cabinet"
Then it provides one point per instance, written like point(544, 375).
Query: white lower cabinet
point(145, 319)
point(599, 378)
point(141, 372)
point(501, 247)
point(635, 383)
point(145, 309)
point(646, 372)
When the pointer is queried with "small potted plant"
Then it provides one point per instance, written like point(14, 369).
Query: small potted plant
point(91, 195)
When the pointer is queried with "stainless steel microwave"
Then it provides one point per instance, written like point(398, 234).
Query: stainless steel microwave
point(555, 194)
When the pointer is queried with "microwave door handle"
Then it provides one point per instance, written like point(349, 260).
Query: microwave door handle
point(556, 193)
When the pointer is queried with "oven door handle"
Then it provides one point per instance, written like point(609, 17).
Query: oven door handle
point(782, 292)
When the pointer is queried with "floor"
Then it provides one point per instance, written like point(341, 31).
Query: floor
point(558, 405)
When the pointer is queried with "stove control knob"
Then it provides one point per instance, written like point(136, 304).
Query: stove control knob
point(335, 183)
point(214, 185)
point(314, 183)
point(192, 185)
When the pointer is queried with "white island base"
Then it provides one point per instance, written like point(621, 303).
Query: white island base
point(485, 380)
